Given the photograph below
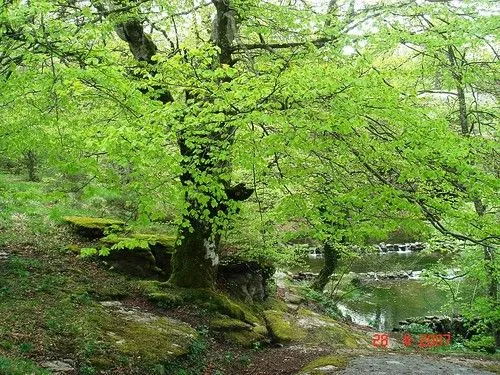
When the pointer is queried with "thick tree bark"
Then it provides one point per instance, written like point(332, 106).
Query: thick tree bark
point(194, 263)
point(331, 256)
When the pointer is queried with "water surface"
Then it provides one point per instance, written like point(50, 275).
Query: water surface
point(382, 304)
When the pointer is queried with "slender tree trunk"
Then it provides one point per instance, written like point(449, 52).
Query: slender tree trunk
point(31, 161)
point(492, 288)
point(331, 256)
point(488, 251)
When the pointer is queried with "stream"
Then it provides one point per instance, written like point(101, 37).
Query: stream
point(383, 303)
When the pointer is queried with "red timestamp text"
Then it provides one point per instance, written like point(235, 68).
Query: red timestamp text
point(381, 340)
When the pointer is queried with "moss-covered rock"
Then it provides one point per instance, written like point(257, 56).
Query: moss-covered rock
point(159, 340)
point(325, 331)
point(143, 335)
point(138, 254)
point(310, 328)
point(93, 227)
point(239, 332)
point(282, 326)
point(326, 364)
point(225, 323)
point(151, 240)
point(246, 338)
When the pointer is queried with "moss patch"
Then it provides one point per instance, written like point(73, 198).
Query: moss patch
point(167, 242)
point(314, 368)
point(493, 368)
point(93, 227)
point(323, 330)
point(282, 327)
point(166, 296)
point(239, 332)
point(225, 323)
point(245, 338)
point(155, 340)
point(9, 366)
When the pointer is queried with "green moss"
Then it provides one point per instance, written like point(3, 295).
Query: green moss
point(9, 366)
point(327, 331)
point(273, 304)
point(73, 248)
point(92, 222)
point(221, 303)
point(225, 323)
point(261, 330)
point(152, 340)
point(246, 338)
point(339, 361)
point(167, 296)
point(495, 368)
point(282, 327)
point(239, 332)
point(166, 242)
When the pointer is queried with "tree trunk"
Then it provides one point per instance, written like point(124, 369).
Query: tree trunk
point(31, 163)
point(488, 251)
point(331, 255)
point(194, 263)
point(492, 287)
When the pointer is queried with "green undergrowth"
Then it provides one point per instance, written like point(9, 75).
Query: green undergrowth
point(49, 296)
point(49, 309)
point(11, 366)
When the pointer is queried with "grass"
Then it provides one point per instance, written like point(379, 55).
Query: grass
point(49, 297)
point(9, 366)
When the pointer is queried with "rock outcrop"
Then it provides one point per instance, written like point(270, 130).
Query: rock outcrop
point(246, 280)
point(93, 227)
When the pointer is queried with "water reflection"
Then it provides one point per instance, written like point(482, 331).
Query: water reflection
point(382, 304)
point(386, 262)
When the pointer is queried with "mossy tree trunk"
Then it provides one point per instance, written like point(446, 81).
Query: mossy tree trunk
point(331, 256)
point(31, 161)
point(194, 263)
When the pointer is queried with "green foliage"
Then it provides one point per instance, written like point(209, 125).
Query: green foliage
point(326, 303)
point(481, 343)
point(19, 367)
point(351, 125)
point(416, 328)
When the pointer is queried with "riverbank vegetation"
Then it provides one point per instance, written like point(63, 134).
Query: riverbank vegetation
point(159, 161)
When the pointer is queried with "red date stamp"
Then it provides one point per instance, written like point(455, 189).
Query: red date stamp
point(380, 340)
point(432, 340)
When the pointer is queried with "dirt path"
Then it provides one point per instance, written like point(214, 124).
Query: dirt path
point(398, 364)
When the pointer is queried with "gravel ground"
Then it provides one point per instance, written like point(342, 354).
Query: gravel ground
point(397, 364)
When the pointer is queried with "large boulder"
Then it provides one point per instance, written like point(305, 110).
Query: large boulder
point(246, 280)
point(311, 329)
point(152, 338)
point(143, 255)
